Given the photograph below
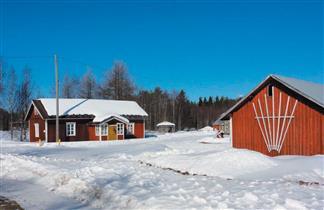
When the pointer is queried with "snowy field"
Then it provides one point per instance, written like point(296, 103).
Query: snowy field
point(188, 170)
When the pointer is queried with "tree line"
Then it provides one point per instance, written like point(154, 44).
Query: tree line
point(116, 84)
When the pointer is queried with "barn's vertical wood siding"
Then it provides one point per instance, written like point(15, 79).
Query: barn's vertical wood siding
point(36, 119)
point(139, 129)
point(304, 136)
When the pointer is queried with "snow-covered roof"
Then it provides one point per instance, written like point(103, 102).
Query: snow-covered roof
point(312, 91)
point(114, 116)
point(165, 123)
point(100, 108)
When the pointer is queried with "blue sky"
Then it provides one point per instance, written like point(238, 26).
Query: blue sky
point(204, 47)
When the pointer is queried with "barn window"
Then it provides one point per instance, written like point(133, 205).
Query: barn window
point(70, 128)
point(130, 128)
point(104, 130)
point(120, 129)
point(270, 89)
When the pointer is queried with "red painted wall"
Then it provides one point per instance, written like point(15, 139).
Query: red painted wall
point(36, 118)
point(139, 129)
point(304, 136)
point(81, 130)
point(92, 133)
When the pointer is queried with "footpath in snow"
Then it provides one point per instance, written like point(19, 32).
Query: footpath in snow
point(173, 171)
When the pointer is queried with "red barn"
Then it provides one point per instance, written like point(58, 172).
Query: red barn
point(281, 116)
point(85, 119)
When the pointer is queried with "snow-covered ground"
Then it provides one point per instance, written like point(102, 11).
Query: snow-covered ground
point(186, 170)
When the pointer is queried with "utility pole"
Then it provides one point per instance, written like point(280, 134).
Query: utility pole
point(57, 99)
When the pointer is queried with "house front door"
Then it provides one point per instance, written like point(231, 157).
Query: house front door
point(112, 135)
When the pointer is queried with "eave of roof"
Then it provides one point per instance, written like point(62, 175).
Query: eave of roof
point(226, 114)
point(39, 107)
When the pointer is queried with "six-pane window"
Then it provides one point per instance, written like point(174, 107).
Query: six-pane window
point(104, 130)
point(130, 128)
point(120, 129)
point(70, 128)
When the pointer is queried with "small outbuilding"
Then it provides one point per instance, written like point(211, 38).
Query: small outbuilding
point(166, 127)
point(281, 116)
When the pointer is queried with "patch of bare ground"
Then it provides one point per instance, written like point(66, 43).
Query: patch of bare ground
point(309, 183)
point(7, 204)
point(186, 173)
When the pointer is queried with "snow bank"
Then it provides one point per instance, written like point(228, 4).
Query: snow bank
point(165, 123)
point(231, 163)
point(5, 135)
point(214, 140)
point(110, 175)
point(207, 128)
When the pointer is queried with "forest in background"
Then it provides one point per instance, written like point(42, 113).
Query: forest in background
point(116, 83)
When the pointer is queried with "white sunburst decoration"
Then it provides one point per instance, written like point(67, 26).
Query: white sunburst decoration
point(272, 129)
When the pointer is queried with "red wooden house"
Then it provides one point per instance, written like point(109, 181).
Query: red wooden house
point(85, 119)
point(281, 116)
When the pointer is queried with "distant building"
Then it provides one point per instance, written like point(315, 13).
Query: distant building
point(281, 116)
point(222, 125)
point(85, 119)
point(166, 127)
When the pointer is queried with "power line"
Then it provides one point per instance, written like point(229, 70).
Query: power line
point(82, 63)
point(64, 59)
point(24, 57)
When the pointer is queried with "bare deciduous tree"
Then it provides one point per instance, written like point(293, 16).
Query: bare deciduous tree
point(11, 97)
point(70, 87)
point(117, 84)
point(24, 97)
point(88, 85)
point(1, 79)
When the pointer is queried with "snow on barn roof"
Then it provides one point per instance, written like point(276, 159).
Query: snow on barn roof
point(312, 91)
point(100, 108)
point(165, 123)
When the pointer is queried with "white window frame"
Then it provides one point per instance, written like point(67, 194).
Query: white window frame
point(36, 125)
point(131, 128)
point(97, 129)
point(120, 130)
point(70, 131)
point(104, 132)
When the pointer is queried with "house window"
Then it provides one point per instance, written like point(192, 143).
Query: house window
point(120, 129)
point(70, 128)
point(104, 130)
point(36, 130)
point(270, 89)
point(35, 112)
point(130, 128)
